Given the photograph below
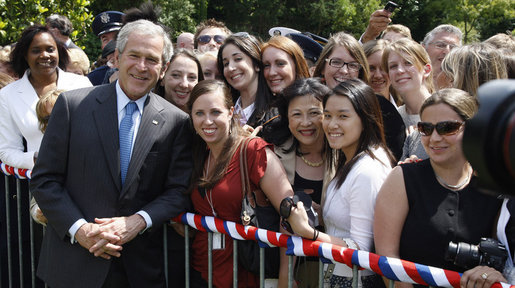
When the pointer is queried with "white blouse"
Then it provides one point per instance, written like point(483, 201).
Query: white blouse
point(348, 211)
point(18, 117)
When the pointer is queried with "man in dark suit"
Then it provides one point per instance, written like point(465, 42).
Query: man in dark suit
point(105, 217)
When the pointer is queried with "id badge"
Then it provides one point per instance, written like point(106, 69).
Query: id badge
point(218, 241)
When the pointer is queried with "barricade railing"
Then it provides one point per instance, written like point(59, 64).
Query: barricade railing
point(392, 268)
point(389, 267)
point(22, 256)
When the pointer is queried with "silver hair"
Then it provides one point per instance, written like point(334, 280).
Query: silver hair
point(442, 28)
point(146, 28)
point(61, 22)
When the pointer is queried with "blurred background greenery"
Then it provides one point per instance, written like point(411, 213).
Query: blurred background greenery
point(478, 19)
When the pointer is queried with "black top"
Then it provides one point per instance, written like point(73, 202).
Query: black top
point(394, 128)
point(438, 215)
point(311, 187)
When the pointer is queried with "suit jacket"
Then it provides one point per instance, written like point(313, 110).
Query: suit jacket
point(77, 175)
point(18, 117)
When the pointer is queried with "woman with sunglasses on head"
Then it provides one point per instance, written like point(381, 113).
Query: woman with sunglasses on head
point(353, 127)
point(239, 61)
point(216, 181)
point(424, 205)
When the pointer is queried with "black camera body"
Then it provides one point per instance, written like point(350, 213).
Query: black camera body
point(488, 252)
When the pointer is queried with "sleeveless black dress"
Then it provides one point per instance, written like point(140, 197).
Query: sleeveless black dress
point(438, 215)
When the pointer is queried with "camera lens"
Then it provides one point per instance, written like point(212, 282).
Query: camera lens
point(463, 254)
point(450, 254)
point(488, 142)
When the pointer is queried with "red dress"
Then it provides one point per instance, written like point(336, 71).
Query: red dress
point(226, 198)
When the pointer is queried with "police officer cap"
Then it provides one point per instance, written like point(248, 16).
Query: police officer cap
point(311, 48)
point(107, 21)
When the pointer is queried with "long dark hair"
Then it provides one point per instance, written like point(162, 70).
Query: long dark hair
point(200, 149)
point(250, 46)
point(365, 103)
point(19, 53)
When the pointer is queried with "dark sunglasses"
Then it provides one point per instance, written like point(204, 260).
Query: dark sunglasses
point(442, 128)
point(204, 39)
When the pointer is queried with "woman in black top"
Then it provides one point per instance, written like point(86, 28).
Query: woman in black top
point(424, 205)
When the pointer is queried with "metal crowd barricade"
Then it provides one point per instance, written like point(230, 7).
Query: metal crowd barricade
point(22, 256)
point(391, 268)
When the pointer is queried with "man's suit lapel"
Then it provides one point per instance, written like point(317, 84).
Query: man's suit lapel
point(106, 120)
point(150, 125)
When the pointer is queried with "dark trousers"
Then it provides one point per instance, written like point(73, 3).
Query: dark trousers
point(117, 277)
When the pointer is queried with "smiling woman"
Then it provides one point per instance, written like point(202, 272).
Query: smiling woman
point(216, 180)
point(239, 60)
point(302, 153)
point(342, 58)
point(183, 73)
point(353, 128)
point(283, 62)
point(420, 204)
point(39, 58)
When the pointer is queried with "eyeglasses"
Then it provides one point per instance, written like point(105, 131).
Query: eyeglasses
point(338, 63)
point(443, 45)
point(442, 128)
point(204, 39)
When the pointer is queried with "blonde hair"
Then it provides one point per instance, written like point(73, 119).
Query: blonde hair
point(398, 28)
point(379, 45)
point(47, 99)
point(355, 50)
point(460, 101)
point(414, 52)
point(471, 65)
point(79, 59)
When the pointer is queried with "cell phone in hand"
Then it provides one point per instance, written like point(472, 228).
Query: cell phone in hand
point(391, 6)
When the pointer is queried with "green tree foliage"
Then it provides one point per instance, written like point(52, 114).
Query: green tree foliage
point(178, 15)
point(478, 19)
point(16, 15)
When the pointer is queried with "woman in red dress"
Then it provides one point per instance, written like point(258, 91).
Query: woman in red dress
point(216, 182)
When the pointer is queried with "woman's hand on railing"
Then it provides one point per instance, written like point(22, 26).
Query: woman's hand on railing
point(481, 277)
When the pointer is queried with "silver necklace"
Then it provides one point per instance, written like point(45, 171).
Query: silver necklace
point(457, 186)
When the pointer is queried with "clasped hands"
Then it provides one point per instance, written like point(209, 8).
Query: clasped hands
point(105, 237)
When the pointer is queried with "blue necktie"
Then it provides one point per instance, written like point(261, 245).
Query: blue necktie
point(126, 135)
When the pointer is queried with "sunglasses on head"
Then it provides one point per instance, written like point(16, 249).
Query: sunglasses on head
point(204, 39)
point(442, 128)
